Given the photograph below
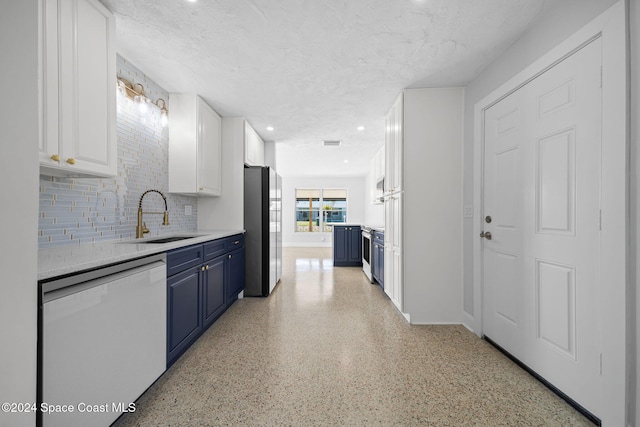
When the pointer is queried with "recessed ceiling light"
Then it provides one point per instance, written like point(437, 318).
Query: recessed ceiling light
point(346, 161)
point(192, 1)
point(269, 128)
point(361, 128)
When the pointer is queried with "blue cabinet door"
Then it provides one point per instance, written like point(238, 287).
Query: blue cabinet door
point(355, 245)
point(340, 250)
point(184, 319)
point(375, 263)
point(235, 276)
point(213, 298)
point(379, 250)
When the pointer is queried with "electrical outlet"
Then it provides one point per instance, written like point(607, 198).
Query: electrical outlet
point(187, 210)
point(468, 211)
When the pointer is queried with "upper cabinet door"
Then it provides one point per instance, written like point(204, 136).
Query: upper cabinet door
point(253, 147)
point(393, 147)
point(79, 69)
point(195, 147)
point(209, 150)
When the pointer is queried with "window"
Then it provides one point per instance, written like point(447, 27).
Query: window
point(318, 209)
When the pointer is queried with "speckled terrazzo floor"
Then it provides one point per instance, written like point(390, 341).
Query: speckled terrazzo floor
point(329, 348)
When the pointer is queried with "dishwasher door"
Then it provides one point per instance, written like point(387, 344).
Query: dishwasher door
point(103, 345)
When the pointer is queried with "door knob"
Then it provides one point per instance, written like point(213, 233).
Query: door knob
point(486, 235)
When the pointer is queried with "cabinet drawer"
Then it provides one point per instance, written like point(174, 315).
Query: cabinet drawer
point(181, 259)
point(214, 248)
point(378, 237)
point(234, 242)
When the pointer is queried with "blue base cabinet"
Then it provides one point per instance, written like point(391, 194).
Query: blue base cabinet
point(347, 245)
point(202, 282)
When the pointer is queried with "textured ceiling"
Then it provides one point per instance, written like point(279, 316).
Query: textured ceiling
point(313, 69)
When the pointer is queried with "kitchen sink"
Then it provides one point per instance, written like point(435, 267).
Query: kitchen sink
point(161, 239)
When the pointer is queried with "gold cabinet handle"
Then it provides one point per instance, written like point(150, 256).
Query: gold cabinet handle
point(202, 268)
point(71, 161)
point(229, 256)
point(55, 158)
point(207, 267)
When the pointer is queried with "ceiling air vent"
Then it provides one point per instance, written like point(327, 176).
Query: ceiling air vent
point(327, 143)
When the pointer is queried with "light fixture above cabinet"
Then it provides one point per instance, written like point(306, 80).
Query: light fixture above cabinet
point(135, 92)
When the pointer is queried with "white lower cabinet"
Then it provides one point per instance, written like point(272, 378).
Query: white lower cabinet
point(195, 147)
point(393, 249)
point(78, 108)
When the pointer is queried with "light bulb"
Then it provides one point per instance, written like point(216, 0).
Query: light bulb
point(142, 105)
point(164, 119)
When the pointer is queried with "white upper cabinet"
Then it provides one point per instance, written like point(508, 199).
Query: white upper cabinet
point(253, 147)
point(394, 142)
point(195, 147)
point(79, 89)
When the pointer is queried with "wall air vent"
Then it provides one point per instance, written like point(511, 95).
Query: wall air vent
point(328, 143)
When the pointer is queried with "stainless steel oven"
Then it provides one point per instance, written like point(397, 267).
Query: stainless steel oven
point(367, 251)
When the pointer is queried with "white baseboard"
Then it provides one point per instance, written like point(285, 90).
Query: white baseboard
point(469, 321)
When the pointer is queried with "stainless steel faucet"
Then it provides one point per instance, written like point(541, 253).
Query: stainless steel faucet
point(142, 229)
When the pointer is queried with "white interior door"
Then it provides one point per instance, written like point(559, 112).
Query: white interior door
point(542, 181)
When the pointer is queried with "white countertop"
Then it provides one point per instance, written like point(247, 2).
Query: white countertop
point(53, 262)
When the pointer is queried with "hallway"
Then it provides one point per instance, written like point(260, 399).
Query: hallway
point(329, 348)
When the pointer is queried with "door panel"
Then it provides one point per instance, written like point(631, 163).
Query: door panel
point(555, 306)
point(555, 191)
point(542, 191)
point(506, 295)
point(508, 187)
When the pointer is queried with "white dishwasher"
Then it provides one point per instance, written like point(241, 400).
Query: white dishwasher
point(102, 342)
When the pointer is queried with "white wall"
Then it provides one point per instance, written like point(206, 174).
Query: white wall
point(356, 201)
point(227, 211)
point(270, 154)
point(19, 135)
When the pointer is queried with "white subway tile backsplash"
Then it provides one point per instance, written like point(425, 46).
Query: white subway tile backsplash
point(87, 210)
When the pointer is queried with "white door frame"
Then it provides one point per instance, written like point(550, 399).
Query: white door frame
point(611, 27)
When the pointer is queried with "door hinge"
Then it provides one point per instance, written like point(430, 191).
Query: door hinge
point(601, 78)
point(600, 220)
point(600, 363)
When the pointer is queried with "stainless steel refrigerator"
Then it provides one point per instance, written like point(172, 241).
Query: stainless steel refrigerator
point(263, 230)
